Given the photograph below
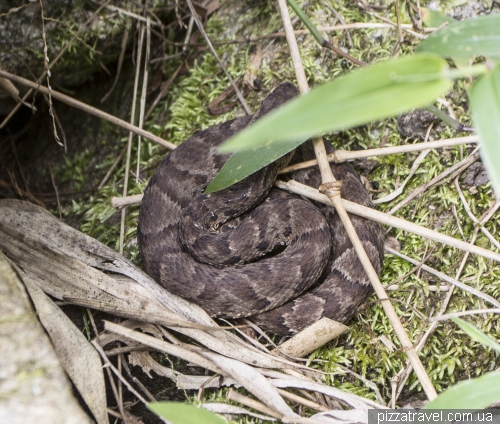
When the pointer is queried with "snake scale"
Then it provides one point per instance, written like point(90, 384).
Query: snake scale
point(252, 250)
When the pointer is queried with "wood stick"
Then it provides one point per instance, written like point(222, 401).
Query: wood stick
point(345, 155)
point(332, 189)
point(89, 109)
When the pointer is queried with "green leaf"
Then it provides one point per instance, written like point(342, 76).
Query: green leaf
point(485, 107)
point(465, 39)
point(181, 413)
point(434, 18)
point(376, 92)
point(477, 334)
point(243, 163)
point(471, 394)
point(367, 94)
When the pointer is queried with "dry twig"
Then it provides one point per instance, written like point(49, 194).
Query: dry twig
point(332, 189)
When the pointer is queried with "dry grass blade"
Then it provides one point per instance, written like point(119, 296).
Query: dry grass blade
point(344, 155)
point(209, 44)
point(353, 401)
point(224, 408)
point(253, 381)
point(130, 135)
point(302, 401)
point(464, 313)
point(251, 403)
point(78, 357)
point(402, 186)
point(183, 381)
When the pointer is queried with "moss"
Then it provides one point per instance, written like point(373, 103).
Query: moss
point(448, 355)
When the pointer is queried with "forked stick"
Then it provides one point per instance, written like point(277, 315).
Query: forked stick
point(331, 188)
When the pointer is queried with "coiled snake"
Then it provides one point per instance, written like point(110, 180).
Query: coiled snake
point(251, 249)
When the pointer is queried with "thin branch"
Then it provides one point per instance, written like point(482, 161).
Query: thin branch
point(332, 189)
point(345, 155)
point(386, 219)
point(89, 109)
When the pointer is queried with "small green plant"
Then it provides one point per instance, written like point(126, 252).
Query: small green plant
point(476, 393)
point(181, 413)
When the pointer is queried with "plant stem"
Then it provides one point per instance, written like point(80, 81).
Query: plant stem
point(468, 71)
point(344, 155)
point(331, 188)
point(89, 109)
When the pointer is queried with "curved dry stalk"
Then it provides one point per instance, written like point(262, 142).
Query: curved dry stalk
point(89, 109)
point(50, 65)
point(346, 155)
point(332, 189)
point(211, 47)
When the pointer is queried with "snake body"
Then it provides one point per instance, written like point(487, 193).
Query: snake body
point(252, 250)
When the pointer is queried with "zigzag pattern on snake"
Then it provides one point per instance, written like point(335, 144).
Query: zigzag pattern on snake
point(252, 250)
